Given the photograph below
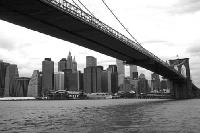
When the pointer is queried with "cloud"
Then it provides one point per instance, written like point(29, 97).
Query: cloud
point(159, 42)
point(194, 49)
point(6, 43)
point(185, 6)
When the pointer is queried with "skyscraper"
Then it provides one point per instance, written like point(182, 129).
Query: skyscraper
point(67, 73)
point(59, 81)
point(34, 86)
point(73, 80)
point(21, 86)
point(114, 78)
point(92, 79)
point(133, 72)
point(121, 72)
point(3, 67)
point(11, 75)
point(143, 86)
point(74, 65)
point(106, 82)
point(62, 64)
point(47, 75)
point(69, 61)
point(155, 79)
point(91, 61)
point(112, 68)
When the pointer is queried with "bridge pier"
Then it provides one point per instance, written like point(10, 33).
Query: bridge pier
point(181, 90)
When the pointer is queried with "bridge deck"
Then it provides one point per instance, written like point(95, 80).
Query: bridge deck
point(42, 17)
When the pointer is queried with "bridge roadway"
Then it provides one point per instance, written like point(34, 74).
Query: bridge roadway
point(67, 22)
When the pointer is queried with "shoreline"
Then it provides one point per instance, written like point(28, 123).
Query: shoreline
point(17, 98)
point(35, 99)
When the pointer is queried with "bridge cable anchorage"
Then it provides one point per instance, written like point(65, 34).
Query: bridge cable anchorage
point(121, 23)
point(86, 8)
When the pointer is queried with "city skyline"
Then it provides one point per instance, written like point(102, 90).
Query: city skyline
point(167, 29)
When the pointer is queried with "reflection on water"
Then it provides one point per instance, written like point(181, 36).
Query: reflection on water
point(99, 116)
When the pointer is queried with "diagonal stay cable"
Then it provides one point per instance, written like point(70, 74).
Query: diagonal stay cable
point(86, 8)
point(76, 4)
point(120, 22)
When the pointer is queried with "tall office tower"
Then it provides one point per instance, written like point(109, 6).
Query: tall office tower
point(62, 64)
point(20, 86)
point(87, 80)
point(91, 61)
point(112, 68)
point(74, 65)
point(11, 75)
point(133, 72)
point(67, 73)
point(121, 72)
point(47, 76)
point(81, 81)
point(163, 84)
point(34, 85)
point(106, 82)
point(73, 80)
point(92, 79)
point(155, 79)
point(114, 78)
point(69, 61)
point(59, 81)
point(143, 87)
point(3, 67)
point(129, 85)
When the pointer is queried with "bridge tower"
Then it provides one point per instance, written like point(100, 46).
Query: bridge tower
point(181, 89)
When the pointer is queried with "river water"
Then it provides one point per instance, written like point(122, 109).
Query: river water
point(101, 116)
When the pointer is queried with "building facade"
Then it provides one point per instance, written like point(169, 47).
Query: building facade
point(11, 75)
point(91, 61)
point(62, 64)
point(34, 87)
point(129, 85)
point(58, 81)
point(92, 79)
point(106, 82)
point(155, 82)
point(3, 67)
point(21, 86)
point(69, 61)
point(73, 80)
point(47, 76)
point(133, 72)
point(74, 65)
point(143, 87)
point(114, 78)
point(121, 72)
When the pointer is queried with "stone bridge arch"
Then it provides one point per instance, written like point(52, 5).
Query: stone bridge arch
point(180, 63)
point(182, 89)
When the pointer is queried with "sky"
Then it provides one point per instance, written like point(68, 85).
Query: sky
point(166, 28)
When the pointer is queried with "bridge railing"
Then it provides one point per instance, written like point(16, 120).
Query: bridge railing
point(69, 8)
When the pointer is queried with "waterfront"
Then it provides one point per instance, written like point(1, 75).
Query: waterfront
point(99, 116)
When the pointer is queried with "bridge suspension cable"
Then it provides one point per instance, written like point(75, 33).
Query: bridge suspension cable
point(86, 8)
point(120, 22)
point(76, 4)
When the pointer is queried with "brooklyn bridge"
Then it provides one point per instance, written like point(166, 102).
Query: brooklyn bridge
point(63, 20)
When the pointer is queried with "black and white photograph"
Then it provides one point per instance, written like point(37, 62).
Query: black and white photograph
point(99, 66)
